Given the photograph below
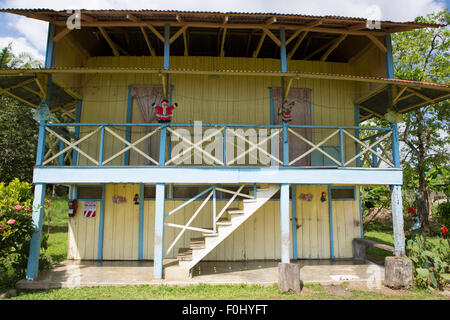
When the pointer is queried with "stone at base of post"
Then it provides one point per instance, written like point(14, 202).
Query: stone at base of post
point(398, 273)
point(359, 250)
point(289, 277)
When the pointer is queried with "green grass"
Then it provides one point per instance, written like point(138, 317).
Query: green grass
point(215, 292)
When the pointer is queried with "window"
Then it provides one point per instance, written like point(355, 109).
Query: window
point(90, 193)
point(343, 193)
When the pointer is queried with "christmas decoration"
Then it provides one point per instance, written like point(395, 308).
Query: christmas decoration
point(164, 112)
point(285, 111)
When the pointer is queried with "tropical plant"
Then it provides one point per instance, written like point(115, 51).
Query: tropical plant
point(23, 60)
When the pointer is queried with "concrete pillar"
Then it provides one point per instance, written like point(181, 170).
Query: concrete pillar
point(35, 245)
point(397, 220)
point(159, 232)
point(284, 223)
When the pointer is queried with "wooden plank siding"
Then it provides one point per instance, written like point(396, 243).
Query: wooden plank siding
point(257, 239)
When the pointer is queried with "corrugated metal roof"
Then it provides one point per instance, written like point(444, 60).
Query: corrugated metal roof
point(211, 15)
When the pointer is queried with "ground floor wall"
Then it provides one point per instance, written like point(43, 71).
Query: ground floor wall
point(123, 228)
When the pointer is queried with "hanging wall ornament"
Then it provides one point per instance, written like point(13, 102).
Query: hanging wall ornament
point(393, 117)
point(285, 111)
point(42, 113)
point(164, 112)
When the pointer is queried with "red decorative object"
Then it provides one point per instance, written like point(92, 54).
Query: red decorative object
point(444, 231)
point(412, 210)
point(285, 111)
point(164, 112)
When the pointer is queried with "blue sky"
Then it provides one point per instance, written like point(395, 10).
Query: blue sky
point(29, 35)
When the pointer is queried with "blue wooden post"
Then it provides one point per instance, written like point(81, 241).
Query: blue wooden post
point(356, 116)
point(395, 146)
point(283, 58)
point(330, 215)
point(285, 144)
point(214, 209)
point(61, 157)
point(294, 221)
point(141, 221)
point(39, 188)
point(159, 232)
point(77, 130)
point(101, 220)
point(162, 145)
point(341, 147)
point(374, 157)
point(102, 146)
point(166, 46)
point(284, 223)
point(128, 129)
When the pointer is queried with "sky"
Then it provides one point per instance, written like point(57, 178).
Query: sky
point(29, 35)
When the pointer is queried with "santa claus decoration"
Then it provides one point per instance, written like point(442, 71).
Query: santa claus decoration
point(285, 111)
point(164, 112)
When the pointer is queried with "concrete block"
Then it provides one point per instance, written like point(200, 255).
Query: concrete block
point(289, 277)
point(359, 250)
point(398, 273)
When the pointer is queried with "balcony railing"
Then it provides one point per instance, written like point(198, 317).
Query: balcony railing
point(218, 145)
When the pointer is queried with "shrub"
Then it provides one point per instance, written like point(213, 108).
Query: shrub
point(16, 228)
point(430, 260)
point(441, 213)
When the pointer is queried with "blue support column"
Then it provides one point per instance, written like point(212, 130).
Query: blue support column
point(341, 147)
point(284, 223)
point(128, 129)
point(141, 222)
point(374, 157)
point(159, 231)
point(294, 221)
point(162, 145)
point(330, 215)
point(77, 130)
point(356, 116)
point(285, 144)
point(39, 188)
point(61, 157)
point(102, 146)
point(100, 225)
point(283, 58)
point(166, 46)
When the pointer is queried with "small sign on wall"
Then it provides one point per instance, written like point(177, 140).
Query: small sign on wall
point(119, 199)
point(306, 197)
point(90, 208)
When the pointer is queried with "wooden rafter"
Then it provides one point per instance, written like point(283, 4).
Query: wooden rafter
point(61, 34)
point(153, 29)
point(288, 88)
point(41, 88)
point(297, 44)
point(297, 32)
point(186, 47)
point(335, 44)
point(20, 99)
point(357, 27)
point(377, 42)
point(147, 41)
point(222, 44)
point(371, 111)
point(21, 84)
point(445, 96)
point(110, 42)
point(399, 94)
point(272, 36)
point(271, 20)
point(260, 42)
point(421, 95)
point(312, 54)
point(178, 33)
point(361, 53)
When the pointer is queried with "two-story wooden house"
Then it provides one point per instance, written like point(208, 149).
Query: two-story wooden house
point(265, 152)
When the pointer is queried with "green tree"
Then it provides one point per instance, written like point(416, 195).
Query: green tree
point(423, 55)
point(24, 60)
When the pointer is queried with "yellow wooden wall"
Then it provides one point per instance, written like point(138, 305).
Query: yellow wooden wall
point(257, 239)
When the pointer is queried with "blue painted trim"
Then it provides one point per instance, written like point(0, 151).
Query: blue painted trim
point(101, 225)
point(77, 130)
point(361, 212)
point(283, 58)
point(128, 129)
point(330, 214)
point(395, 146)
point(141, 222)
point(344, 187)
point(35, 243)
point(389, 58)
point(284, 223)
point(102, 146)
point(61, 157)
point(294, 220)
point(166, 46)
point(374, 157)
point(272, 107)
point(41, 144)
point(159, 231)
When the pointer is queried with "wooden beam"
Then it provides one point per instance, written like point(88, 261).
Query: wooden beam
point(377, 42)
point(297, 44)
point(272, 36)
point(20, 99)
point(361, 53)
point(319, 49)
point(288, 88)
point(76, 46)
point(177, 34)
point(395, 100)
point(271, 20)
point(186, 47)
point(87, 18)
point(152, 28)
point(297, 32)
point(132, 17)
point(336, 43)
point(370, 111)
point(147, 41)
point(61, 34)
point(445, 96)
point(41, 88)
point(110, 42)
point(222, 45)
point(21, 84)
point(421, 95)
point(357, 27)
point(258, 48)
point(370, 94)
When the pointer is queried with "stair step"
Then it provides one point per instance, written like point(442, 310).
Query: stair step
point(235, 211)
point(184, 254)
point(197, 243)
point(250, 200)
point(224, 222)
point(207, 235)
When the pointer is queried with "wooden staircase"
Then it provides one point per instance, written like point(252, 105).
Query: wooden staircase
point(230, 221)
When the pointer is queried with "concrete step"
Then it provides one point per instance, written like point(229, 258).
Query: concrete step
point(184, 254)
point(224, 222)
point(235, 211)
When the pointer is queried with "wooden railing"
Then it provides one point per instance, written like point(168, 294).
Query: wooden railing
point(219, 145)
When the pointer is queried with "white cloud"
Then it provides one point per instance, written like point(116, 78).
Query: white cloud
point(20, 45)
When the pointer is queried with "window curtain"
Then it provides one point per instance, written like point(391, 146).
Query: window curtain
point(145, 96)
point(301, 115)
